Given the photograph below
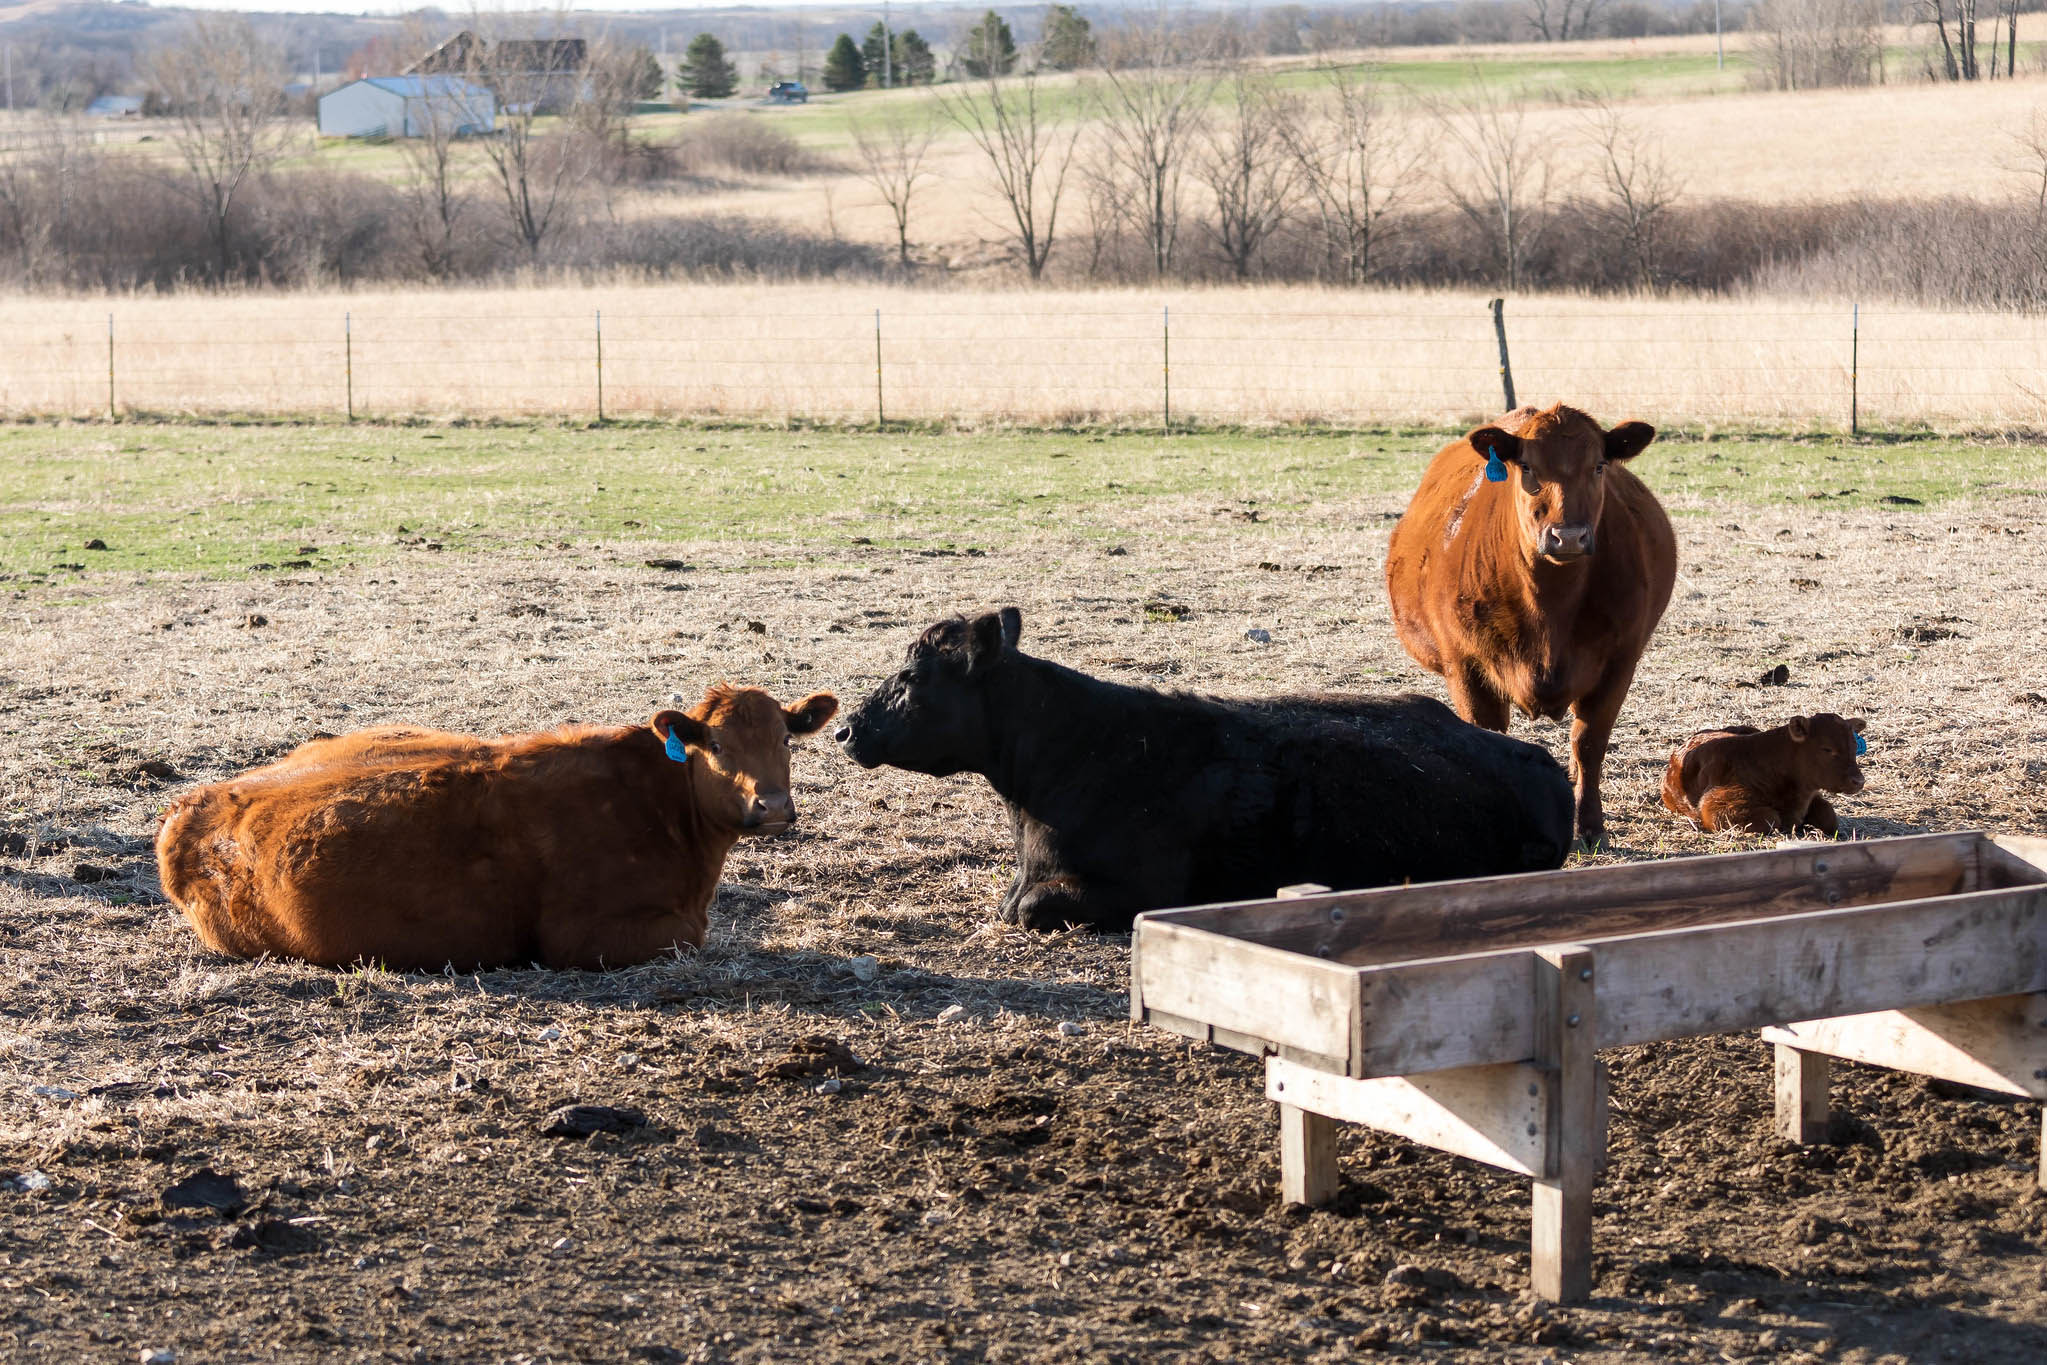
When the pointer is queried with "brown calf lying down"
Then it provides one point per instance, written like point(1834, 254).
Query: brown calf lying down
point(1767, 781)
point(584, 846)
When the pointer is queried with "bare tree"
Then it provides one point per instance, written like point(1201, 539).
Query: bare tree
point(1359, 163)
point(892, 160)
point(1497, 173)
point(223, 87)
point(37, 183)
point(1150, 111)
point(1639, 187)
point(1029, 151)
point(2030, 158)
point(1244, 163)
point(1802, 44)
point(1559, 21)
point(539, 174)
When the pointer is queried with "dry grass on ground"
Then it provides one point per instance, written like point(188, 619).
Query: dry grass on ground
point(984, 1188)
point(1252, 355)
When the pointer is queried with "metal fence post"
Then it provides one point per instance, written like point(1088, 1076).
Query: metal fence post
point(1855, 371)
point(879, 419)
point(1166, 362)
point(110, 368)
point(348, 359)
point(1500, 331)
point(600, 364)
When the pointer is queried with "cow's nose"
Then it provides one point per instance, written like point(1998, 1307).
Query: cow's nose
point(1566, 542)
point(842, 734)
point(773, 809)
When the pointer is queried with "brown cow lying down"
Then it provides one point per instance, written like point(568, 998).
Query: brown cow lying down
point(585, 846)
point(1767, 781)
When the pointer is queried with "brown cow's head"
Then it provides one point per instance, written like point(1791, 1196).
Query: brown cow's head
point(1556, 474)
point(1823, 752)
point(738, 742)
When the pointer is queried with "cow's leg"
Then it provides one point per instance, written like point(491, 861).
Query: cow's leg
point(620, 938)
point(1592, 718)
point(1473, 697)
point(1730, 809)
point(1820, 817)
point(1056, 902)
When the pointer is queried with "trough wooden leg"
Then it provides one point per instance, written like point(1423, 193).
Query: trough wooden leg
point(1560, 1240)
point(2043, 1148)
point(1802, 1083)
point(1307, 1156)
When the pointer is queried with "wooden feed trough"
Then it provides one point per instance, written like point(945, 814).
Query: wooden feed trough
point(1466, 1014)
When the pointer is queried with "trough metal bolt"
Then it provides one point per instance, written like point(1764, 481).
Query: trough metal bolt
point(1585, 974)
point(1531, 1130)
point(1571, 1022)
point(1533, 1089)
point(1820, 866)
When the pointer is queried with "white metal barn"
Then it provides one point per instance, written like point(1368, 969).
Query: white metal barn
point(407, 106)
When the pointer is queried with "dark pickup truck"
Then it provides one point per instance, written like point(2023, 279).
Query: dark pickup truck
point(788, 92)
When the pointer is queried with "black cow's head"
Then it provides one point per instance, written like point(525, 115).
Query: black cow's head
point(1556, 462)
point(932, 716)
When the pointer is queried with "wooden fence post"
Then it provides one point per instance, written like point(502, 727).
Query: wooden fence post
point(1506, 370)
point(348, 360)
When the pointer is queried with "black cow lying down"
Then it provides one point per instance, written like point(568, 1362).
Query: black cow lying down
point(1126, 799)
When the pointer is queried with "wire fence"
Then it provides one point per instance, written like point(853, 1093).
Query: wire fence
point(1845, 367)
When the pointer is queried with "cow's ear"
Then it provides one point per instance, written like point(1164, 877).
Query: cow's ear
point(1628, 440)
point(687, 728)
point(1798, 728)
point(1857, 724)
point(810, 713)
point(1490, 441)
point(1012, 627)
point(985, 639)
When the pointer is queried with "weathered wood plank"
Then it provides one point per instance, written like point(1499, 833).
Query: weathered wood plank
point(2024, 854)
point(1432, 1016)
point(1307, 1156)
point(1994, 1044)
point(1443, 919)
point(1802, 1100)
point(1282, 998)
point(1494, 1114)
point(1739, 976)
point(1566, 998)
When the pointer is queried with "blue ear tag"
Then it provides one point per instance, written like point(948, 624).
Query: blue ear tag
point(1861, 745)
point(1495, 468)
point(675, 749)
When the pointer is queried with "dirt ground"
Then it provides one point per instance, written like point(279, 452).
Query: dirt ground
point(261, 1162)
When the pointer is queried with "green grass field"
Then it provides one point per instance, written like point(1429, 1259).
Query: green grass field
point(217, 500)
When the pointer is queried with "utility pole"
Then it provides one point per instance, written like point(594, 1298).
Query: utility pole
point(9, 49)
point(1719, 50)
point(888, 44)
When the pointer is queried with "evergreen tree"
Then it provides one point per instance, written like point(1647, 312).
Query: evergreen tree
point(915, 63)
point(880, 61)
point(645, 80)
point(843, 69)
point(1069, 40)
point(990, 49)
point(704, 72)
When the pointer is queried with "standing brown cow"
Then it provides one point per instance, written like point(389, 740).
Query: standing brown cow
point(1535, 579)
point(585, 846)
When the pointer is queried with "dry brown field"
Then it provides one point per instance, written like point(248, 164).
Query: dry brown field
point(1257, 355)
point(1029, 1177)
